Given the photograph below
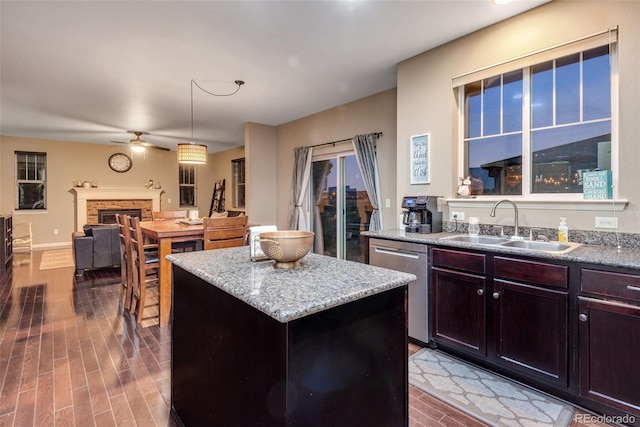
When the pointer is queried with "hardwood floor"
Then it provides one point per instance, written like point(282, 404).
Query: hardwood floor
point(70, 357)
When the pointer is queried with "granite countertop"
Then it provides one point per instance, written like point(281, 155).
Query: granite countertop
point(592, 254)
point(321, 282)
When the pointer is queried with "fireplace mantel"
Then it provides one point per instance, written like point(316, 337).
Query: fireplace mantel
point(82, 195)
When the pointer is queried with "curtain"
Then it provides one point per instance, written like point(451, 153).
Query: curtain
point(321, 170)
point(364, 147)
point(299, 184)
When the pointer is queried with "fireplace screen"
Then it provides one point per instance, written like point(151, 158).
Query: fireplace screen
point(108, 216)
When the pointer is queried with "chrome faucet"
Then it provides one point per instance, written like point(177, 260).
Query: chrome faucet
point(516, 235)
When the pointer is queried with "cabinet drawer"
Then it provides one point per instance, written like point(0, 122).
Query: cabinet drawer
point(538, 273)
point(466, 261)
point(607, 283)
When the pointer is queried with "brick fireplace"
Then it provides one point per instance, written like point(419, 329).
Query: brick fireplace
point(89, 201)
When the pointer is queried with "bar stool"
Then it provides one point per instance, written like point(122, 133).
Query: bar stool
point(126, 270)
point(146, 267)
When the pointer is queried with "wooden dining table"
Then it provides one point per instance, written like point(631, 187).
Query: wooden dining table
point(165, 233)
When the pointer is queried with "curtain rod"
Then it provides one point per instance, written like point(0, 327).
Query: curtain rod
point(376, 134)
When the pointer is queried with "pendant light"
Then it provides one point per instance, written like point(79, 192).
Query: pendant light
point(192, 153)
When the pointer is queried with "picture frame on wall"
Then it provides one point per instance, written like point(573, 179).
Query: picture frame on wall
point(419, 156)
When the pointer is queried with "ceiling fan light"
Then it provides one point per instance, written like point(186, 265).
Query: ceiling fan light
point(137, 148)
point(195, 154)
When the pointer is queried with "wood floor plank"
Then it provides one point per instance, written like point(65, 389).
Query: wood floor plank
point(82, 411)
point(62, 384)
point(44, 414)
point(64, 417)
point(25, 408)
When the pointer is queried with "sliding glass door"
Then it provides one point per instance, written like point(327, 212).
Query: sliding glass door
point(341, 207)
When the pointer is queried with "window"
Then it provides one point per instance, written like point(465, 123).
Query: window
point(237, 169)
point(187, 185)
point(537, 129)
point(31, 181)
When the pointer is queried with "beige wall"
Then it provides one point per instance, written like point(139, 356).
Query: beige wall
point(376, 113)
point(70, 161)
point(218, 168)
point(426, 101)
point(261, 173)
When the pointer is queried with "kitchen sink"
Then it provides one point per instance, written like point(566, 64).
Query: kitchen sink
point(533, 245)
point(529, 245)
point(480, 240)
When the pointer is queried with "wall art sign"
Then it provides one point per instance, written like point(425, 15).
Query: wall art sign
point(419, 152)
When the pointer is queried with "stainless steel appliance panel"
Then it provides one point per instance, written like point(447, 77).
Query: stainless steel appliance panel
point(408, 258)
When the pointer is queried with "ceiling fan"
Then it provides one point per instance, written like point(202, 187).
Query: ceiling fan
point(138, 144)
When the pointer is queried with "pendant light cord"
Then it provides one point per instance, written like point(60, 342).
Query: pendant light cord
point(193, 82)
point(238, 82)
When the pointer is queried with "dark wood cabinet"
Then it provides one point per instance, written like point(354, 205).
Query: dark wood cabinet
point(6, 234)
point(531, 306)
point(510, 312)
point(568, 328)
point(531, 330)
point(459, 310)
point(458, 301)
point(609, 333)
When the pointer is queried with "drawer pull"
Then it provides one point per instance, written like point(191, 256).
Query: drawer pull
point(496, 295)
point(480, 291)
point(582, 317)
point(633, 288)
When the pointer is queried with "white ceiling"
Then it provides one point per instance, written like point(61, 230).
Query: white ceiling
point(88, 71)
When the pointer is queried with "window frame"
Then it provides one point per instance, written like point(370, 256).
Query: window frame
point(182, 184)
point(236, 184)
point(555, 200)
point(37, 158)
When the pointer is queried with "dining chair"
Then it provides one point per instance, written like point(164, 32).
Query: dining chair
point(146, 268)
point(224, 232)
point(126, 271)
point(165, 215)
point(192, 245)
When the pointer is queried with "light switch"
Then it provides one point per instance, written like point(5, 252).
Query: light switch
point(387, 203)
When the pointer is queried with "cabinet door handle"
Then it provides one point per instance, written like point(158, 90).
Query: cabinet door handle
point(583, 317)
point(480, 291)
point(496, 295)
point(633, 288)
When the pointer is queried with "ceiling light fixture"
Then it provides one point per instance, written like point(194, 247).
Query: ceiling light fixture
point(192, 153)
point(498, 2)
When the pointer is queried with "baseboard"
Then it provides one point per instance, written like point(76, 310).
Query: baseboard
point(44, 246)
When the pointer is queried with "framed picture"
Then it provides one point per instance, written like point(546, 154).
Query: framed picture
point(419, 152)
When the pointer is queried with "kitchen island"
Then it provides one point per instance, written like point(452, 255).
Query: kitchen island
point(321, 344)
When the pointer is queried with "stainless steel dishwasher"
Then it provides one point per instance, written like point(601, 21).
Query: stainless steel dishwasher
point(408, 258)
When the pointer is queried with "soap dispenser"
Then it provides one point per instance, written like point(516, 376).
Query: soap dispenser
point(563, 231)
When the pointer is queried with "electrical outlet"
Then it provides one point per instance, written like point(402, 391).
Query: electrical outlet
point(168, 200)
point(387, 203)
point(606, 222)
point(457, 216)
point(55, 231)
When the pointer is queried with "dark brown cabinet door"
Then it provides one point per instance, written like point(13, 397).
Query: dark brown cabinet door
point(459, 310)
point(610, 353)
point(531, 330)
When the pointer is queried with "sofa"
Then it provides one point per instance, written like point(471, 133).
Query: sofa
point(97, 246)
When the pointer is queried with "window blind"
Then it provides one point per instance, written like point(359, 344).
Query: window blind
point(609, 36)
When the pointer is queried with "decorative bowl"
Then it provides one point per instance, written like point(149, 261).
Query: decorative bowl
point(286, 247)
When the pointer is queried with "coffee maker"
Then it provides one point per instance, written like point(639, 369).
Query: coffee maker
point(421, 214)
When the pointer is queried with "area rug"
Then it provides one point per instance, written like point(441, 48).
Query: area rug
point(58, 258)
point(488, 397)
